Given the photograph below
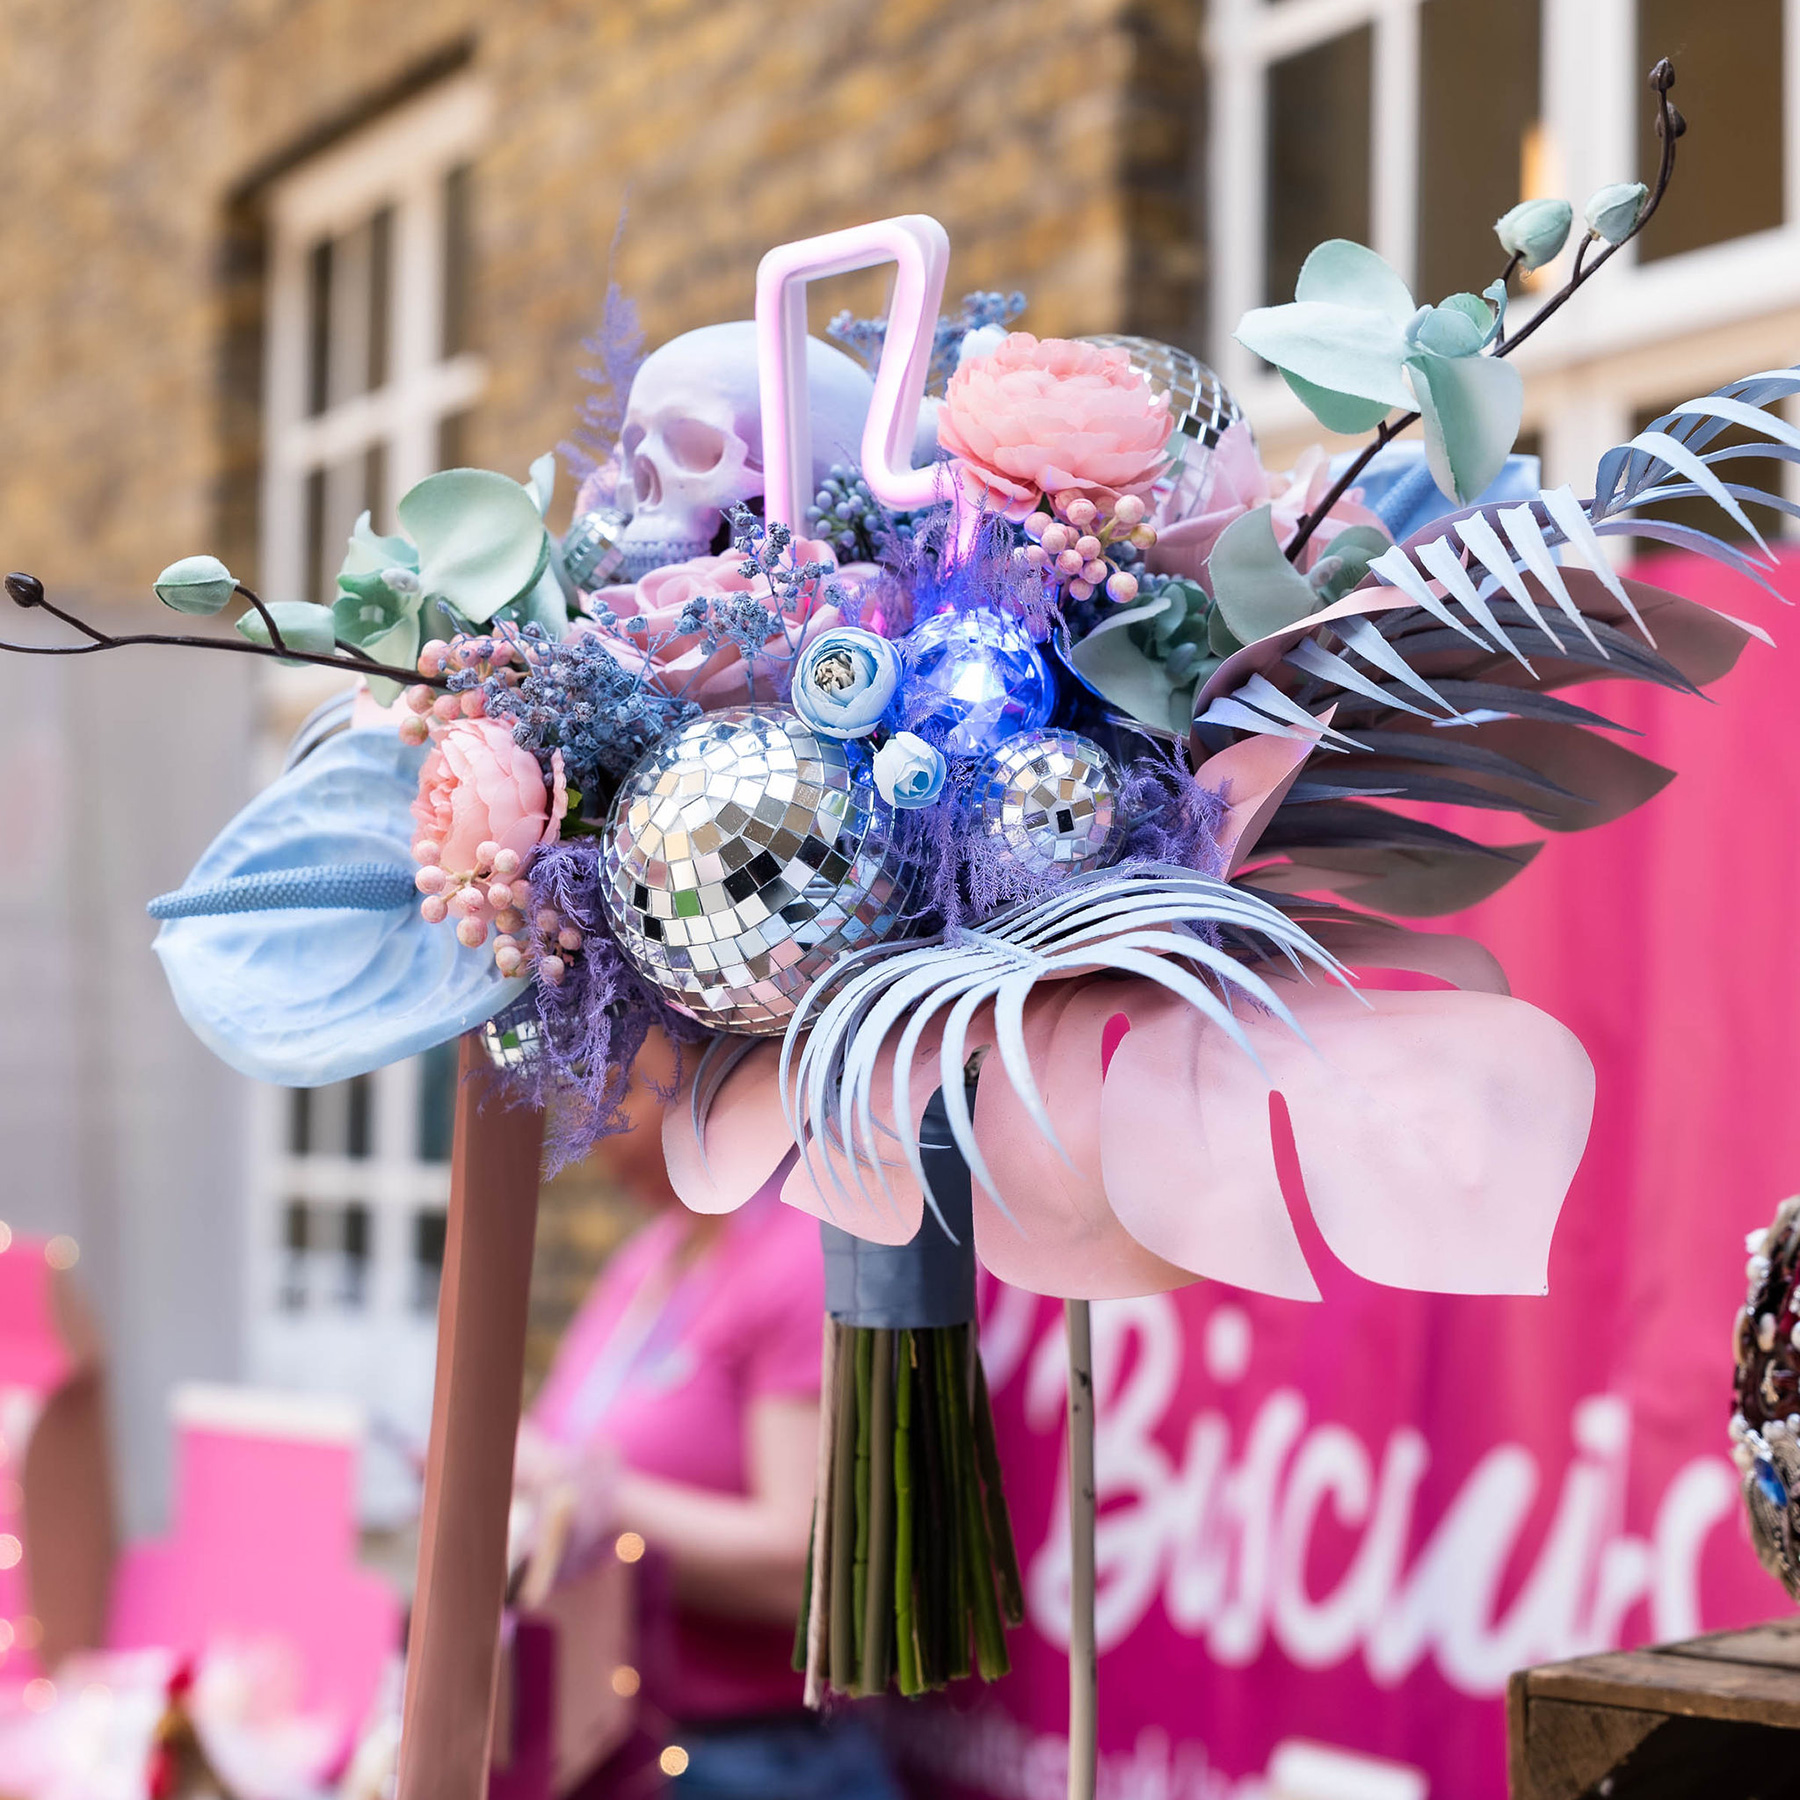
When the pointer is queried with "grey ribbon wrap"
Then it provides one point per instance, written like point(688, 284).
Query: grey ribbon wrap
point(928, 1282)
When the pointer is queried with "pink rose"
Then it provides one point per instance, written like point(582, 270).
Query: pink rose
point(1054, 417)
point(680, 661)
point(1236, 483)
point(477, 786)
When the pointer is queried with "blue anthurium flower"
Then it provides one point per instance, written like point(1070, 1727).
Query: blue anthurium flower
point(1355, 347)
point(295, 949)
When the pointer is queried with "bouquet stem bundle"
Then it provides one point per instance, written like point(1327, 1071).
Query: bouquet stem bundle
point(913, 1578)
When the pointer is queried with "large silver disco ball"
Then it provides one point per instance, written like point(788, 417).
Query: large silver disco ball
point(745, 853)
point(1050, 799)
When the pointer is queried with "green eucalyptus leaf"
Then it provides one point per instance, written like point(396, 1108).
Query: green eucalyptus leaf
point(1350, 554)
point(198, 585)
point(1351, 274)
point(302, 625)
point(1471, 407)
point(368, 552)
point(1342, 349)
point(542, 483)
point(1112, 662)
point(399, 649)
point(1255, 588)
point(1220, 640)
point(1343, 413)
point(370, 605)
point(1458, 327)
point(480, 537)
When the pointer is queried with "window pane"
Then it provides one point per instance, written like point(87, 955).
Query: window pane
point(437, 1102)
point(318, 327)
point(381, 261)
point(299, 1121)
point(1477, 102)
point(353, 1264)
point(1728, 180)
point(456, 260)
point(1318, 168)
point(429, 1232)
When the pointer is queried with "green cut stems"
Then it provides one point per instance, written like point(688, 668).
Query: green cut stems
point(859, 1573)
point(841, 1649)
point(906, 1649)
point(952, 1416)
point(991, 1659)
point(878, 1618)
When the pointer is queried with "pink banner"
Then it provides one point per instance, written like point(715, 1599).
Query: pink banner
point(1329, 1533)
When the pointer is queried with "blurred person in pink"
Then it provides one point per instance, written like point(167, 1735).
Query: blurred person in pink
point(683, 1404)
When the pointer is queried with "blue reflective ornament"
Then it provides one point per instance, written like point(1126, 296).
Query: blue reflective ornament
point(1769, 1482)
point(976, 675)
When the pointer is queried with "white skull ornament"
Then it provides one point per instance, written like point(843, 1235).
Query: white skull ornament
point(692, 439)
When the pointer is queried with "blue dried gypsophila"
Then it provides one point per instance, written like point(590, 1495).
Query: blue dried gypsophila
point(577, 697)
point(863, 338)
point(846, 514)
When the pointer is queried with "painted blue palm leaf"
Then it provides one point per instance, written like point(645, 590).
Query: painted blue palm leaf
point(295, 949)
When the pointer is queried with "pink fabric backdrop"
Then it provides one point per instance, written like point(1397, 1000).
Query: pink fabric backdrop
point(1328, 1533)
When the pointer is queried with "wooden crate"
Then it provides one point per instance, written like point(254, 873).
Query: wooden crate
point(1715, 1718)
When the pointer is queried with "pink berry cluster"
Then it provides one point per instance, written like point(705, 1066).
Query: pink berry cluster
point(1072, 545)
point(484, 657)
point(494, 894)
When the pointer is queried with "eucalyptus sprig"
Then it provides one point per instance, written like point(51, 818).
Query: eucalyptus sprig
point(1614, 216)
point(27, 591)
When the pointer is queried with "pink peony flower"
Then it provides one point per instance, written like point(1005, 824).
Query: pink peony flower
point(477, 786)
point(1052, 417)
point(1237, 483)
point(682, 664)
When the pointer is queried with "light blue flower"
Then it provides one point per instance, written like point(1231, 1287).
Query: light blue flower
point(1355, 347)
point(1613, 211)
point(844, 680)
point(908, 771)
point(1535, 230)
point(196, 584)
point(296, 949)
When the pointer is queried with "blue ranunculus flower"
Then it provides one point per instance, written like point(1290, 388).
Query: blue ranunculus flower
point(844, 680)
point(908, 771)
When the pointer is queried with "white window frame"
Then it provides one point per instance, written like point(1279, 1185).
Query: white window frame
point(380, 1353)
point(1639, 334)
point(401, 160)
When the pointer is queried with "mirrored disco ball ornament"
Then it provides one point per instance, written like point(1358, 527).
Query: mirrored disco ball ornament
point(591, 549)
point(979, 676)
point(1203, 408)
point(513, 1038)
point(1050, 798)
point(745, 853)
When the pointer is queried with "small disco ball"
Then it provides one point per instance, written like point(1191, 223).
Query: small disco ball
point(1203, 407)
point(591, 551)
point(513, 1038)
point(979, 675)
point(1051, 799)
point(745, 853)
point(1765, 1428)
